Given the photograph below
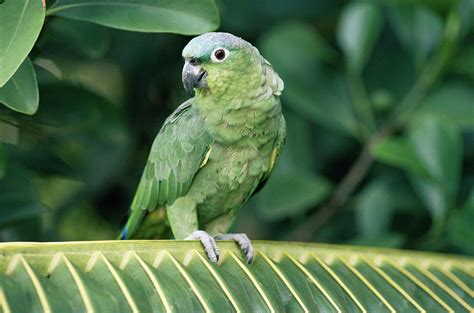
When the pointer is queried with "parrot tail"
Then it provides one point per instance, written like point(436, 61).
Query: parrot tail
point(133, 222)
point(123, 234)
point(144, 224)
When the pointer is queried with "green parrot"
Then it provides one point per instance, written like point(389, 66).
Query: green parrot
point(215, 150)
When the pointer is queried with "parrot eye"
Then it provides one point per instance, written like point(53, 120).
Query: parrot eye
point(219, 55)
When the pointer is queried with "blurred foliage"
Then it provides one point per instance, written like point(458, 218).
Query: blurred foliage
point(378, 100)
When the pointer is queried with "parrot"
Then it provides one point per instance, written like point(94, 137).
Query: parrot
point(215, 151)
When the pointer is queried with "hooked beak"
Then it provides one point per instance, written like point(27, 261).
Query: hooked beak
point(194, 76)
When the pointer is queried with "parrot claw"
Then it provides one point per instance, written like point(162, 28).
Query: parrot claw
point(208, 243)
point(243, 241)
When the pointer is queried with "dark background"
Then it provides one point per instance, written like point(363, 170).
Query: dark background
point(379, 102)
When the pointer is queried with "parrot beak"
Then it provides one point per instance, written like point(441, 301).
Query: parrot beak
point(194, 76)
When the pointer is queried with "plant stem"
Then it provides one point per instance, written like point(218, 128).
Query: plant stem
point(431, 73)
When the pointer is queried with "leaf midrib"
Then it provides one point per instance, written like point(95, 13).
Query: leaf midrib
point(15, 32)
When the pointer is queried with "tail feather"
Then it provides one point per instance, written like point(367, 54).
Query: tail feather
point(144, 224)
point(132, 224)
point(123, 234)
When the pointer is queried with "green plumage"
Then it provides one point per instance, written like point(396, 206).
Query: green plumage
point(216, 149)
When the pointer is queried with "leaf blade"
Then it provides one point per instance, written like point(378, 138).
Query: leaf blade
point(373, 278)
point(3, 161)
point(183, 17)
point(357, 32)
point(20, 93)
point(18, 196)
point(418, 29)
point(459, 225)
point(399, 153)
point(438, 146)
point(21, 24)
point(451, 102)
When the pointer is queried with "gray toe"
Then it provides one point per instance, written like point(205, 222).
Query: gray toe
point(243, 241)
point(208, 243)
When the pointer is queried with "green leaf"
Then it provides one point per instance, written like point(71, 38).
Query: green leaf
point(9, 133)
point(21, 22)
point(466, 13)
point(383, 204)
point(452, 102)
point(374, 209)
point(18, 197)
point(328, 105)
point(91, 132)
point(277, 201)
point(104, 78)
point(87, 141)
point(55, 191)
point(358, 29)
point(20, 93)
point(81, 112)
point(297, 35)
point(464, 62)
point(460, 226)
point(437, 5)
point(298, 42)
point(154, 276)
point(188, 17)
point(90, 40)
point(437, 144)
point(399, 153)
point(418, 28)
point(3, 161)
point(44, 160)
point(432, 155)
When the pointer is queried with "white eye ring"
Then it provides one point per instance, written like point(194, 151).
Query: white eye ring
point(219, 55)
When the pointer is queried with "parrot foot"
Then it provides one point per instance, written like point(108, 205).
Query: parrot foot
point(208, 243)
point(243, 241)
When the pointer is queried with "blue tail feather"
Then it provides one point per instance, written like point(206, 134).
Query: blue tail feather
point(124, 234)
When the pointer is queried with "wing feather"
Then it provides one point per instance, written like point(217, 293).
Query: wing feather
point(277, 148)
point(175, 157)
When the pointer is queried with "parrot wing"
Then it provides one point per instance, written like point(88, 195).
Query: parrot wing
point(180, 149)
point(277, 148)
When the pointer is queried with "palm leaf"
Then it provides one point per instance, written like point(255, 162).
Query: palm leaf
point(155, 276)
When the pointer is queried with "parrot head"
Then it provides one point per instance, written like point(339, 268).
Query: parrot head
point(217, 63)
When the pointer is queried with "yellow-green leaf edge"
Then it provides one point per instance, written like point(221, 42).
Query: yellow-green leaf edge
point(175, 276)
